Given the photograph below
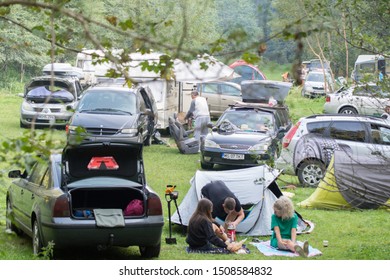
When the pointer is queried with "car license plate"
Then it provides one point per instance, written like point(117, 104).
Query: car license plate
point(233, 156)
point(45, 117)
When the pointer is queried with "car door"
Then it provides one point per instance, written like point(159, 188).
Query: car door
point(30, 192)
point(210, 91)
point(351, 136)
point(380, 141)
point(371, 101)
point(229, 94)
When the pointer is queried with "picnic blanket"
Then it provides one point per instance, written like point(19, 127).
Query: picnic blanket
point(216, 251)
point(265, 248)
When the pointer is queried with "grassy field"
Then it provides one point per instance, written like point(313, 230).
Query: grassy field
point(352, 235)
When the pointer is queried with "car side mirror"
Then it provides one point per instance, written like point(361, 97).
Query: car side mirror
point(281, 132)
point(21, 94)
point(148, 113)
point(210, 125)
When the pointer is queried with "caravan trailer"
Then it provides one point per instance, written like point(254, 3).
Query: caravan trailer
point(370, 65)
point(170, 96)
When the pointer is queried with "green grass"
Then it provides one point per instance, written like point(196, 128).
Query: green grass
point(352, 235)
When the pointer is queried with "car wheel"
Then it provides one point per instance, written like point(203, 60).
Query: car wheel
point(311, 172)
point(36, 239)
point(9, 224)
point(149, 252)
point(206, 166)
point(23, 125)
point(348, 111)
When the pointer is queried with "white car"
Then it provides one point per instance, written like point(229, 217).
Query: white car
point(317, 83)
point(357, 134)
point(366, 99)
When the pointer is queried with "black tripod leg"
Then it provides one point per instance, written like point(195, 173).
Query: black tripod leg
point(181, 222)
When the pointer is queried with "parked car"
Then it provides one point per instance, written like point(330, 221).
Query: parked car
point(246, 71)
point(82, 198)
point(357, 134)
point(111, 111)
point(247, 133)
point(360, 99)
point(219, 95)
point(45, 101)
point(317, 83)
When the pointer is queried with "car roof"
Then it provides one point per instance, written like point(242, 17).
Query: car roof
point(361, 118)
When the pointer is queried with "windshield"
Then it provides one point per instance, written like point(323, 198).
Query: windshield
point(42, 94)
point(257, 121)
point(317, 77)
point(110, 101)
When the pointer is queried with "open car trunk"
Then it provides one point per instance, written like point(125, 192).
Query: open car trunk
point(85, 201)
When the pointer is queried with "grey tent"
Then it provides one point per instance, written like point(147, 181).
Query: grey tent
point(353, 181)
point(256, 189)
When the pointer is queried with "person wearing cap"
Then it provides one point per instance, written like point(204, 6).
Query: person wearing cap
point(199, 111)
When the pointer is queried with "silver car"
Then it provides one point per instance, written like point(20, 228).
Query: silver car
point(219, 95)
point(46, 99)
point(357, 134)
point(366, 99)
point(317, 83)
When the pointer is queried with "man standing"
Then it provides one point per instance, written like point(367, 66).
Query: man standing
point(199, 111)
point(226, 206)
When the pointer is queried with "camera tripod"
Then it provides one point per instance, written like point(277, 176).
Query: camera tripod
point(169, 197)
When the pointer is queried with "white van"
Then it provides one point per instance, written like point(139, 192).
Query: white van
point(370, 65)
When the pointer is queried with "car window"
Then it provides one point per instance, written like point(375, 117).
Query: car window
point(317, 127)
point(37, 173)
point(380, 134)
point(250, 120)
point(210, 88)
point(229, 90)
point(46, 180)
point(347, 130)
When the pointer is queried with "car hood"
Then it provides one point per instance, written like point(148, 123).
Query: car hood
point(239, 137)
point(113, 159)
point(102, 120)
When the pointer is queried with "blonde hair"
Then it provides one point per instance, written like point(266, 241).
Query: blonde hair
point(284, 208)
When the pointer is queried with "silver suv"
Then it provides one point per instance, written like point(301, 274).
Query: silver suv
point(303, 157)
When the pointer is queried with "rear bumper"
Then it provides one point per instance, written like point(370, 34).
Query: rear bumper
point(66, 232)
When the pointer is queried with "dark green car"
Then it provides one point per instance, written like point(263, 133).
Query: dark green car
point(93, 194)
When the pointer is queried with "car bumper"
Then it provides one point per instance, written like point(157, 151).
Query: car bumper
point(330, 109)
point(29, 119)
point(249, 159)
point(70, 232)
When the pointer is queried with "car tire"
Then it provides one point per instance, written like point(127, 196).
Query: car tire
point(22, 125)
point(36, 239)
point(311, 172)
point(348, 110)
point(149, 252)
point(206, 166)
point(9, 224)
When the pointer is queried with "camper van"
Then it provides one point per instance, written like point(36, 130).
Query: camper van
point(370, 65)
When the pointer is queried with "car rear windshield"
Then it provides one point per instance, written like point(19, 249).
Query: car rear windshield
point(249, 120)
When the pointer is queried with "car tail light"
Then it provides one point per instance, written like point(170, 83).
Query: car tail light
point(289, 135)
point(61, 207)
point(154, 205)
point(67, 129)
point(327, 98)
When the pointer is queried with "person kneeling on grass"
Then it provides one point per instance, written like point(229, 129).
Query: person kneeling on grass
point(203, 235)
point(284, 223)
